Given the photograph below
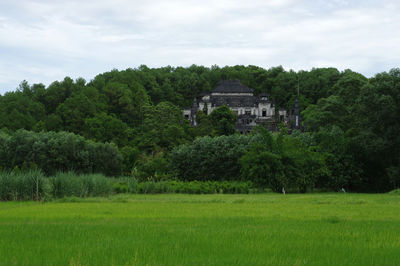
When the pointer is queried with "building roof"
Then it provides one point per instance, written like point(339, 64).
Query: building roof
point(231, 86)
point(234, 101)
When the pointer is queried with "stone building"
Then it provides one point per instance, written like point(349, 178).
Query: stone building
point(251, 109)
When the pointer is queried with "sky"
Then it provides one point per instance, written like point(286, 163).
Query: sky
point(47, 40)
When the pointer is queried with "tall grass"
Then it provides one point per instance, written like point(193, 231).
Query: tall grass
point(33, 185)
point(30, 185)
point(395, 191)
point(69, 184)
point(192, 187)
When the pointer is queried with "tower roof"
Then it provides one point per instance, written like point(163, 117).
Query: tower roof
point(231, 86)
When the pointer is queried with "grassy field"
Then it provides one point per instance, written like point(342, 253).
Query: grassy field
point(265, 229)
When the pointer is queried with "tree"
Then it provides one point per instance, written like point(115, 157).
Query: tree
point(204, 125)
point(223, 121)
point(164, 127)
point(327, 112)
point(106, 128)
point(210, 158)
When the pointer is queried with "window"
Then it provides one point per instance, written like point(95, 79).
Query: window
point(187, 116)
point(264, 112)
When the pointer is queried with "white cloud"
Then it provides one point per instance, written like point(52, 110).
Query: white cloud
point(46, 40)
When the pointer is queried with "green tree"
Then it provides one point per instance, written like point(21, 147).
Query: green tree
point(223, 120)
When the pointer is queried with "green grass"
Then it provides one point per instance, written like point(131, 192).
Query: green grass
point(259, 229)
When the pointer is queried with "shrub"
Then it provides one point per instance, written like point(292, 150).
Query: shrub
point(209, 158)
point(58, 151)
point(120, 187)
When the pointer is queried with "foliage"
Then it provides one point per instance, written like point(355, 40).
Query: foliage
point(191, 187)
point(69, 184)
point(155, 166)
point(223, 121)
point(163, 128)
point(17, 185)
point(358, 127)
point(62, 151)
point(282, 161)
point(395, 191)
point(351, 126)
point(210, 158)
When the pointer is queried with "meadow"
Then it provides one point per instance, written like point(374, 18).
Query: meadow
point(179, 229)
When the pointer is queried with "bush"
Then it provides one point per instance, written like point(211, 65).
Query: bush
point(209, 158)
point(120, 187)
point(58, 151)
point(31, 185)
point(69, 184)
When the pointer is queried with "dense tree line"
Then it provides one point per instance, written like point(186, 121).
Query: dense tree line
point(266, 159)
point(54, 152)
point(359, 125)
point(350, 128)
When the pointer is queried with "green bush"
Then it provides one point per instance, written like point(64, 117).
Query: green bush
point(209, 158)
point(120, 187)
point(30, 185)
point(58, 152)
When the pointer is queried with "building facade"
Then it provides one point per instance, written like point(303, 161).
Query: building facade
point(251, 110)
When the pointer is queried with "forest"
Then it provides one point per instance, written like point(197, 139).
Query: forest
point(130, 123)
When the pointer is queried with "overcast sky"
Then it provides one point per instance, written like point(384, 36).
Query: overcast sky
point(46, 40)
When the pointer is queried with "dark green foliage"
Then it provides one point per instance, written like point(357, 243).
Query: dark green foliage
point(155, 166)
point(204, 124)
point(163, 127)
point(282, 161)
point(191, 187)
point(263, 168)
point(106, 128)
point(210, 158)
point(351, 122)
point(62, 151)
point(223, 121)
point(358, 128)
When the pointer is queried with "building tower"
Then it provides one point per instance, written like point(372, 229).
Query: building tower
point(297, 119)
point(193, 112)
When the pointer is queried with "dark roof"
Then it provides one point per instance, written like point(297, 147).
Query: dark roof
point(232, 86)
point(234, 101)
